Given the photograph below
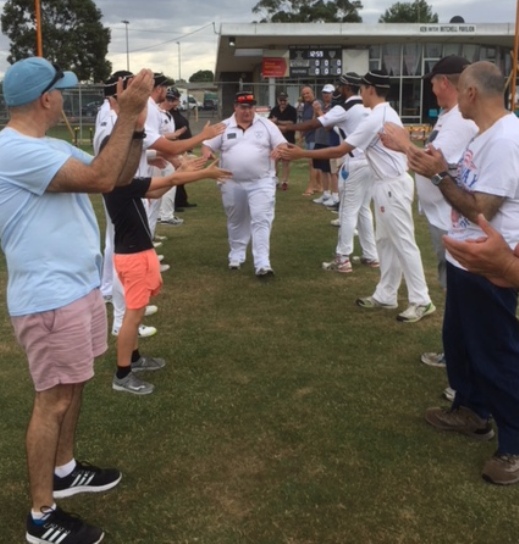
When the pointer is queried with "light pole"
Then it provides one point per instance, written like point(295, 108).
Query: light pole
point(179, 63)
point(126, 23)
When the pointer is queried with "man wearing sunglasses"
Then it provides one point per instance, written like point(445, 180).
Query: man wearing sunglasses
point(249, 197)
point(51, 242)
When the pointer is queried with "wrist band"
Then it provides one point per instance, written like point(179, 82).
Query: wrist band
point(139, 135)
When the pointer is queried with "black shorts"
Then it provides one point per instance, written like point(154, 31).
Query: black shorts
point(321, 164)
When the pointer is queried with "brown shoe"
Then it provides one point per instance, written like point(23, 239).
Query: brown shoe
point(461, 420)
point(502, 469)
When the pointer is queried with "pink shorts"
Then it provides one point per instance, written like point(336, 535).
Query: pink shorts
point(61, 344)
point(140, 276)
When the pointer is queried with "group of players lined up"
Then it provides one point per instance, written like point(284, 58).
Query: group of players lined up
point(53, 296)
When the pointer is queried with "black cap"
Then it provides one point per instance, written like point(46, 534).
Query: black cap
point(376, 78)
point(283, 95)
point(448, 66)
point(350, 78)
point(110, 88)
point(245, 97)
point(172, 94)
point(160, 80)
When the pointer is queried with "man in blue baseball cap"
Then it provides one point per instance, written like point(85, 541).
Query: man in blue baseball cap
point(50, 239)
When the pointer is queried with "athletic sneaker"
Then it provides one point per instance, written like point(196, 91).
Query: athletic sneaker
point(370, 302)
point(460, 420)
point(449, 394)
point(415, 312)
point(144, 331)
point(331, 203)
point(160, 258)
point(160, 238)
point(264, 272)
point(371, 263)
point(335, 222)
point(148, 363)
point(338, 265)
point(150, 310)
point(60, 527)
point(431, 358)
point(234, 265)
point(174, 221)
point(164, 267)
point(85, 478)
point(502, 469)
point(157, 244)
point(132, 384)
point(323, 199)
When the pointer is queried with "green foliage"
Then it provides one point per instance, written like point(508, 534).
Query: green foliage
point(202, 76)
point(72, 35)
point(308, 11)
point(418, 11)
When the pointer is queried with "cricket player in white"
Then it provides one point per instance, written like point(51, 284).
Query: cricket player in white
point(249, 197)
point(393, 197)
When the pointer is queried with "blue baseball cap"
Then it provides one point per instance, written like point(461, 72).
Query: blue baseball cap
point(27, 79)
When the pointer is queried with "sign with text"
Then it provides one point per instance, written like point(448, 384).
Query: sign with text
point(448, 29)
point(274, 67)
point(315, 61)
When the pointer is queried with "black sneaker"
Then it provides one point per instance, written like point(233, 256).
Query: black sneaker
point(58, 526)
point(86, 478)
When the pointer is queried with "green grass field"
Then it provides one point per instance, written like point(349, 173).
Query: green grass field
point(285, 415)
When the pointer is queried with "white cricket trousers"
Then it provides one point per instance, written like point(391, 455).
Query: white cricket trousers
point(249, 206)
point(355, 211)
point(397, 249)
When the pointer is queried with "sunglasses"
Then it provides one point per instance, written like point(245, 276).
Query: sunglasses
point(57, 76)
point(245, 98)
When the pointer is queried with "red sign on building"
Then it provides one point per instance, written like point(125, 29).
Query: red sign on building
point(274, 67)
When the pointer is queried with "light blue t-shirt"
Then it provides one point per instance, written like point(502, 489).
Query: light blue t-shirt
point(50, 240)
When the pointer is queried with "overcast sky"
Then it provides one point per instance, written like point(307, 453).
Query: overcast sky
point(156, 26)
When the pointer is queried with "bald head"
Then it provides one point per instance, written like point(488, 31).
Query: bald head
point(485, 77)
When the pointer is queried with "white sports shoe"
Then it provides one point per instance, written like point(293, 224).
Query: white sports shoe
point(449, 394)
point(335, 222)
point(415, 312)
point(323, 199)
point(164, 267)
point(144, 331)
point(150, 310)
point(157, 244)
point(160, 258)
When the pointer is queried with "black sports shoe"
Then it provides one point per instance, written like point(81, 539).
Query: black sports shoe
point(58, 526)
point(86, 478)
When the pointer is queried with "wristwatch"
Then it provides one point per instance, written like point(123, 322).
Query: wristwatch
point(438, 178)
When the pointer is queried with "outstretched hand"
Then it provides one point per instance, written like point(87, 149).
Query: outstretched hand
point(133, 100)
point(210, 131)
point(289, 152)
point(214, 172)
point(489, 256)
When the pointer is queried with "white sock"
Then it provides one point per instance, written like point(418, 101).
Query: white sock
point(38, 516)
point(65, 470)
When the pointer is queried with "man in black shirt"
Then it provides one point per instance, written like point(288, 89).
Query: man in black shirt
point(284, 114)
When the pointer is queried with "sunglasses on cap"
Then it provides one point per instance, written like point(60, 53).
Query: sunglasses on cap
point(57, 76)
point(245, 98)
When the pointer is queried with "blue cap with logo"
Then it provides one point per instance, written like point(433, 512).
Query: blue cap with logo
point(27, 79)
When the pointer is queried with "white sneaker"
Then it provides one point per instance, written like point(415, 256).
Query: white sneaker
point(164, 267)
point(322, 199)
point(415, 312)
point(157, 244)
point(144, 331)
point(430, 358)
point(234, 265)
point(150, 310)
point(160, 238)
point(160, 258)
point(174, 221)
point(331, 202)
point(335, 222)
point(449, 394)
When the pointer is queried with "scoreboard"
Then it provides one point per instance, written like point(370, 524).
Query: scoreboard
point(315, 61)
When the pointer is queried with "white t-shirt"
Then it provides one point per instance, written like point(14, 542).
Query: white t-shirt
point(385, 163)
point(347, 121)
point(247, 153)
point(451, 134)
point(490, 165)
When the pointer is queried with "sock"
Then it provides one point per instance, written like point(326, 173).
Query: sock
point(65, 470)
point(123, 371)
point(39, 517)
point(135, 355)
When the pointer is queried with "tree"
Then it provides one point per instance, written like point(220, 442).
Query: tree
point(308, 11)
point(72, 35)
point(202, 76)
point(417, 11)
